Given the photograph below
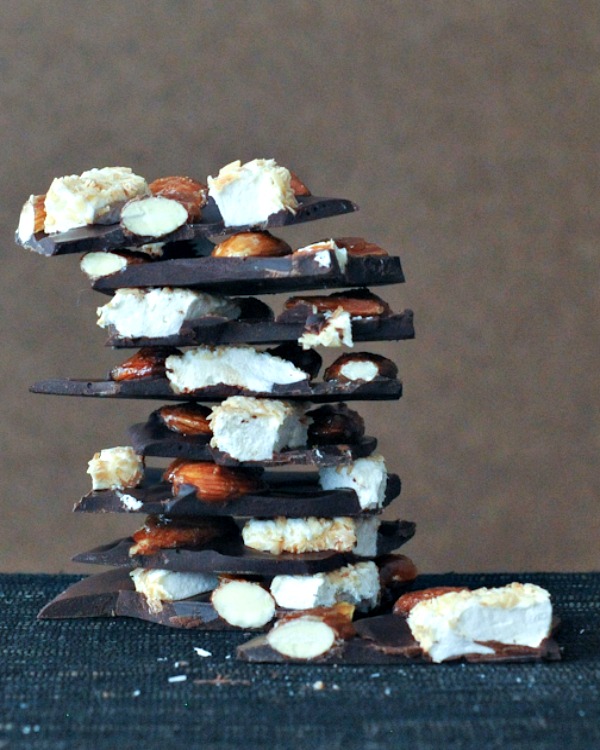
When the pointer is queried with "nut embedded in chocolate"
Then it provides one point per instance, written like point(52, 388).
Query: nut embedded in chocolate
point(357, 302)
point(159, 532)
point(189, 192)
point(359, 247)
point(148, 362)
point(356, 366)
point(243, 604)
point(251, 244)
point(152, 216)
point(409, 600)
point(186, 419)
point(213, 483)
point(334, 424)
point(32, 218)
point(298, 187)
point(311, 633)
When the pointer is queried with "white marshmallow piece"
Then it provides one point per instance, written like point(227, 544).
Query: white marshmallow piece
point(366, 476)
point(253, 429)
point(247, 194)
point(116, 468)
point(356, 584)
point(463, 622)
point(167, 585)
point(161, 311)
point(312, 534)
point(94, 197)
point(242, 366)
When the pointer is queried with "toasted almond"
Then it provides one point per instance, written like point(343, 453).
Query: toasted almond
point(185, 190)
point(148, 362)
point(298, 187)
point(186, 419)
point(381, 366)
point(359, 247)
point(213, 483)
point(396, 569)
point(407, 601)
point(165, 533)
point(334, 424)
point(251, 244)
point(356, 302)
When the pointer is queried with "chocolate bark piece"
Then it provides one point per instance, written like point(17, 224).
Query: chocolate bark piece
point(380, 389)
point(298, 271)
point(229, 555)
point(386, 639)
point(113, 594)
point(98, 237)
point(152, 438)
point(214, 330)
point(293, 495)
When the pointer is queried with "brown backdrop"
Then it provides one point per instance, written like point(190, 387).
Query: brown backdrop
point(468, 134)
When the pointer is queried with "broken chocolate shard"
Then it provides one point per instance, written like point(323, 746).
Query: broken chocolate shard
point(154, 439)
point(108, 237)
point(380, 389)
point(386, 639)
point(113, 594)
point(216, 331)
point(229, 555)
point(255, 275)
point(292, 495)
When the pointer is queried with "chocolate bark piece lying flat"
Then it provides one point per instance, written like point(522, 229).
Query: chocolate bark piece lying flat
point(99, 237)
point(152, 438)
point(216, 331)
point(379, 389)
point(291, 495)
point(387, 639)
point(113, 594)
point(229, 555)
point(299, 271)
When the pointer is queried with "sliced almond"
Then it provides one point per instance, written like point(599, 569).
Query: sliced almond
point(32, 218)
point(251, 244)
point(243, 604)
point(153, 216)
point(185, 190)
point(303, 638)
point(360, 366)
point(356, 302)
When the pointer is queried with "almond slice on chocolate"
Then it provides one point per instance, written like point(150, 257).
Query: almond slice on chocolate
point(363, 366)
point(251, 245)
point(148, 362)
point(159, 533)
point(357, 302)
point(186, 419)
point(189, 192)
point(213, 483)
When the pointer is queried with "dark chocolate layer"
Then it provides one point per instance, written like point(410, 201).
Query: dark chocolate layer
point(159, 388)
point(299, 271)
point(229, 555)
point(111, 237)
point(153, 439)
point(216, 331)
point(291, 495)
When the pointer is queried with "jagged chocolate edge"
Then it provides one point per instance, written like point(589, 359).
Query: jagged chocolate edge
point(160, 388)
point(217, 331)
point(113, 594)
point(387, 639)
point(290, 496)
point(229, 555)
point(99, 237)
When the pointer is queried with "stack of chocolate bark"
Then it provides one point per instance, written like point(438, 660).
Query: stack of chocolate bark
point(235, 534)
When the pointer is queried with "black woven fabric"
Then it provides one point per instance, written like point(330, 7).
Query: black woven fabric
point(120, 683)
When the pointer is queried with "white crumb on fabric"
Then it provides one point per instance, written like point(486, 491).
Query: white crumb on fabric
point(178, 678)
point(202, 651)
point(318, 685)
